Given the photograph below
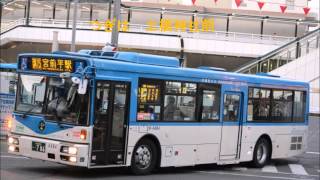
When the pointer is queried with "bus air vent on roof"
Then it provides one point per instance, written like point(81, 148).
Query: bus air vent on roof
point(147, 59)
point(211, 68)
point(267, 75)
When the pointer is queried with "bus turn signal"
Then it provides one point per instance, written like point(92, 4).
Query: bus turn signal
point(83, 134)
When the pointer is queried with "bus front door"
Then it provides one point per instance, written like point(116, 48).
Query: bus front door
point(231, 126)
point(110, 125)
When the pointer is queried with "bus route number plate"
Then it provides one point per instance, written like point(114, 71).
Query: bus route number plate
point(38, 146)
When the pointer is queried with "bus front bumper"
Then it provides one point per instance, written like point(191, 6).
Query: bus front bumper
point(49, 150)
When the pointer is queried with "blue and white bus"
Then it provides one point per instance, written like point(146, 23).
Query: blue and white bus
point(7, 95)
point(146, 111)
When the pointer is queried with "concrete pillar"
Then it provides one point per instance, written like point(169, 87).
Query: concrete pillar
point(55, 43)
point(185, 61)
point(74, 26)
point(116, 17)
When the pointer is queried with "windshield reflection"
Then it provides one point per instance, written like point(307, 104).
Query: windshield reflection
point(32, 91)
point(56, 98)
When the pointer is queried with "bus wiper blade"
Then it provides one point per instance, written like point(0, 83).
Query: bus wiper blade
point(24, 115)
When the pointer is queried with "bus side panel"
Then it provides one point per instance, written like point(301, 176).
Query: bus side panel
point(181, 145)
point(287, 140)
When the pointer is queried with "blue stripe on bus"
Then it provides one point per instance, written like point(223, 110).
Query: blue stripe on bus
point(32, 122)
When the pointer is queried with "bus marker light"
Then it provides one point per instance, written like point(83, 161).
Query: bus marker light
point(9, 122)
point(83, 134)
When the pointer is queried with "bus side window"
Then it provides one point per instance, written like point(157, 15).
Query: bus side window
point(149, 100)
point(299, 106)
point(210, 103)
point(259, 105)
point(282, 106)
point(231, 107)
point(276, 105)
point(180, 101)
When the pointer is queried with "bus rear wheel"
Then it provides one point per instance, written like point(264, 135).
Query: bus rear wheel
point(262, 153)
point(144, 157)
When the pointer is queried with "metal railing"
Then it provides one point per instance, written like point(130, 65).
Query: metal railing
point(284, 54)
point(142, 28)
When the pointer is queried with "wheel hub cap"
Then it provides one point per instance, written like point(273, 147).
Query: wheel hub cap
point(262, 153)
point(143, 157)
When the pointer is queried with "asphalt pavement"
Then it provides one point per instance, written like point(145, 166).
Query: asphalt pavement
point(306, 166)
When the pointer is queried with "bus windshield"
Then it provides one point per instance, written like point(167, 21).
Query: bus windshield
point(54, 97)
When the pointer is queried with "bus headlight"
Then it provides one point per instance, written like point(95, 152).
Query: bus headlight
point(12, 140)
point(12, 148)
point(73, 150)
point(73, 159)
point(69, 150)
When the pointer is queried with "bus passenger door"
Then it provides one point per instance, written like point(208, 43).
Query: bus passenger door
point(110, 125)
point(231, 126)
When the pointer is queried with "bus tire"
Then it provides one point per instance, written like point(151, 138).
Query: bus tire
point(261, 153)
point(144, 157)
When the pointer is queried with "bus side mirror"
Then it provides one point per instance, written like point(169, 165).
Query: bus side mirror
point(82, 84)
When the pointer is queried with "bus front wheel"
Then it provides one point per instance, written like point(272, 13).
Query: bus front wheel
point(144, 157)
point(261, 154)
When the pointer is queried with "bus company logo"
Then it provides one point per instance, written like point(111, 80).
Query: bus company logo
point(42, 126)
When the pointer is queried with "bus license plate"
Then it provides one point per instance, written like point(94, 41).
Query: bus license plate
point(38, 146)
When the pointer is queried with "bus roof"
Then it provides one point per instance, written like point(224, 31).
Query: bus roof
point(174, 70)
point(8, 66)
point(169, 66)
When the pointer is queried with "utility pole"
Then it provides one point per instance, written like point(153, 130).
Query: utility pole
point(116, 17)
point(74, 26)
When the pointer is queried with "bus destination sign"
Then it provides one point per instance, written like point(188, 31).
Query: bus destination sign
point(51, 64)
